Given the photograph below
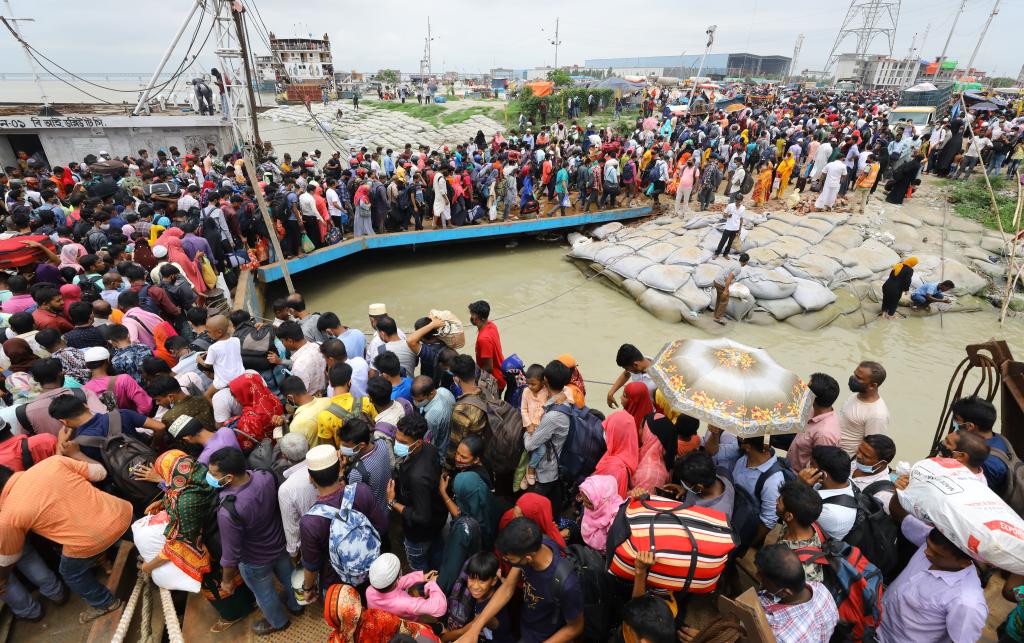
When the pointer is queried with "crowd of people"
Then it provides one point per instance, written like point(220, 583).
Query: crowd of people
point(422, 491)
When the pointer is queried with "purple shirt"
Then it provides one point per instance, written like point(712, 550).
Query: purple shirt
point(314, 530)
point(927, 605)
point(258, 539)
point(224, 437)
point(192, 244)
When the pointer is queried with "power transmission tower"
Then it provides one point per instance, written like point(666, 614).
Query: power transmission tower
point(796, 54)
point(866, 20)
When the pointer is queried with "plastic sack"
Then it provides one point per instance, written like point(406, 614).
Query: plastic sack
point(946, 494)
point(307, 243)
point(148, 534)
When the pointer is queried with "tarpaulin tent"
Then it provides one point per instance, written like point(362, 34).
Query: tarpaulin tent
point(541, 87)
point(618, 85)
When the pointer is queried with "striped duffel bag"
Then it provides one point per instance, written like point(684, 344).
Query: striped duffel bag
point(691, 545)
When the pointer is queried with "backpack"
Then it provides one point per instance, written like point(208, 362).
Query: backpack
point(146, 302)
point(628, 171)
point(873, 532)
point(90, 291)
point(353, 542)
point(121, 454)
point(855, 584)
point(21, 410)
point(503, 436)
point(339, 412)
point(108, 397)
point(364, 209)
point(748, 183)
point(279, 206)
point(746, 512)
point(404, 199)
point(1013, 492)
point(461, 604)
point(584, 444)
point(256, 343)
point(591, 571)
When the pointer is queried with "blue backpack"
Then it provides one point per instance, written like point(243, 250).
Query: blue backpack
point(353, 542)
point(584, 444)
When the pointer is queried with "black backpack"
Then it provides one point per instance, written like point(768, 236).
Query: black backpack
point(256, 343)
point(404, 198)
point(592, 572)
point(873, 532)
point(120, 455)
point(746, 510)
point(146, 302)
point(90, 291)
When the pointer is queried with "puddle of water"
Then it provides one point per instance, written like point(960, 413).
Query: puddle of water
point(591, 322)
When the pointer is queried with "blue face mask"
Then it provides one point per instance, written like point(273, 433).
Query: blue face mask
point(866, 468)
point(401, 450)
point(213, 482)
point(955, 425)
point(347, 452)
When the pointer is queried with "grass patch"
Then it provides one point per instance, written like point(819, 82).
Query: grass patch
point(603, 118)
point(427, 113)
point(971, 200)
point(462, 115)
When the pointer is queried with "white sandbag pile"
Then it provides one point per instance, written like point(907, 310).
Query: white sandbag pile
point(798, 264)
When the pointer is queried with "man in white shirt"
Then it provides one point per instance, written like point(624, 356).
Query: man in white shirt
point(829, 474)
point(307, 363)
point(334, 206)
point(865, 412)
point(972, 156)
point(834, 173)
point(334, 352)
point(296, 494)
point(310, 216)
point(376, 312)
point(188, 200)
point(733, 219)
point(392, 341)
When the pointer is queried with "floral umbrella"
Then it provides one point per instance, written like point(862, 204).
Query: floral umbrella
point(734, 387)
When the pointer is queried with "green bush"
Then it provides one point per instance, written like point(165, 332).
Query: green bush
point(971, 200)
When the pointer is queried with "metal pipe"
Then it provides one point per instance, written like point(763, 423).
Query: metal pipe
point(167, 55)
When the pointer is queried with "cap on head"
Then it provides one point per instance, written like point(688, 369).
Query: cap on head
point(321, 457)
point(96, 354)
point(376, 310)
point(384, 571)
point(183, 426)
point(160, 252)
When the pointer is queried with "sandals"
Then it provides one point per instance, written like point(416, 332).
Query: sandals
point(94, 613)
point(222, 625)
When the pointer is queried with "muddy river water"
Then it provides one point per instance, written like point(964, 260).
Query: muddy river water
point(592, 320)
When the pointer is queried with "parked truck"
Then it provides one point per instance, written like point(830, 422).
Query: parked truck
point(924, 105)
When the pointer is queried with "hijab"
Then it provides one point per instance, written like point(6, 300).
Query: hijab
point(69, 256)
point(538, 509)
point(70, 293)
point(143, 254)
point(623, 454)
point(189, 267)
point(638, 402)
point(909, 262)
point(474, 499)
point(47, 273)
point(20, 355)
point(259, 406)
point(353, 623)
point(188, 499)
point(602, 494)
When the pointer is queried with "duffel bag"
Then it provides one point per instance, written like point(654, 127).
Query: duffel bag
point(15, 254)
point(161, 189)
point(691, 544)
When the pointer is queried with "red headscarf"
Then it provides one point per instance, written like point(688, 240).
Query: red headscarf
point(538, 509)
point(70, 293)
point(259, 406)
point(638, 402)
point(623, 453)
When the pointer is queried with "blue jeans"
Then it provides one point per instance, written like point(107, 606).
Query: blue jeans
point(77, 573)
point(424, 555)
point(17, 597)
point(260, 579)
point(920, 300)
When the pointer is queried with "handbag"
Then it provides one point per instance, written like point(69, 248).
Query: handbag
point(209, 274)
point(333, 235)
point(307, 243)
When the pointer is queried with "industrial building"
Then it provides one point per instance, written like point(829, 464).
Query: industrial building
point(877, 71)
point(716, 65)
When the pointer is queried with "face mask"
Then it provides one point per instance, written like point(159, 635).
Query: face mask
point(868, 468)
point(770, 597)
point(213, 482)
point(954, 426)
point(422, 405)
point(105, 226)
point(347, 452)
point(688, 489)
point(401, 450)
point(856, 385)
point(462, 467)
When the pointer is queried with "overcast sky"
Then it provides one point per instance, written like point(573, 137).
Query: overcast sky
point(475, 35)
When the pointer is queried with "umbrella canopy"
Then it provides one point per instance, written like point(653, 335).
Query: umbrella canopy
point(107, 167)
point(650, 123)
point(734, 108)
point(734, 387)
point(983, 107)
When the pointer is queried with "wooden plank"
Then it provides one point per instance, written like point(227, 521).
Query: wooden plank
point(124, 569)
point(199, 618)
point(746, 609)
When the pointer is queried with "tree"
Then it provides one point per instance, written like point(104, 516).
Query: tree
point(1002, 81)
point(387, 76)
point(560, 77)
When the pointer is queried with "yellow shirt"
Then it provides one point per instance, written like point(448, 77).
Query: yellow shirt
point(327, 423)
point(305, 421)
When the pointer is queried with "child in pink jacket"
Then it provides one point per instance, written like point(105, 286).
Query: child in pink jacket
point(413, 596)
point(532, 408)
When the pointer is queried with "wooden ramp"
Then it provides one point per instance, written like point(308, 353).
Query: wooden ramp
point(200, 616)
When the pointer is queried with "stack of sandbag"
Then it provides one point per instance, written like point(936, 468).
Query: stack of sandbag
point(931, 268)
point(946, 494)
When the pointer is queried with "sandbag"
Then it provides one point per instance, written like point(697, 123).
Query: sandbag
point(689, 256)
point(759, 236)
point(665, 278)
point(931, 269)
point(740, 303)
point(852, 273)
point(608, 253)
point(836, 252)
point(695, 299)
point(811, 321)
point(634, 288)
point(948, 495)
point(811, 295)
point(637, 242)
point(814, 267)
point(663, 306)
point(810, 235)
point(148, 534)
point(976, 252)
point(764, 256)
point(588, 251)
point(777, 226)
point(702, 221)
point(821, 227)
point(846, 236)
point(629, 266)
point(787, 217)
point(835, 218)
point(781, 309)
point(704, 275)
point(658, 251)
point(602, 232)
point(711, 239)
point(994, 245)
point(767, 284)
point(874, 255)
point(789, 246)
point(986, 267)
point(906, 219)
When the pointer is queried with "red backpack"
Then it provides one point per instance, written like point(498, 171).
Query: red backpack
point(855, 584)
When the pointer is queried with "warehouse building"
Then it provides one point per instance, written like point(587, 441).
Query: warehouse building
point(716, 65)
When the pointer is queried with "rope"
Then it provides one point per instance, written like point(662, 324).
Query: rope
point(146, 621)
point(129, 609)
point(170, 617)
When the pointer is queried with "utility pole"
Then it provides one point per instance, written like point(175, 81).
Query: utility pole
point(796, 54)
point(945, 47)
point(555, 42)
point(254, 178)
point(236, 11)
point(711, 39)
point(144, 98)
point(12, 25)
point(984, 30)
